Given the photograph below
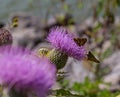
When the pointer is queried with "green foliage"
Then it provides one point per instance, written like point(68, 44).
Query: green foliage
point(65, 93)
point(66, 7)
point(106, 8)
point(116, 3)
point(85, 89)
point(100, 7)
point(107, 53)
point(91, 89)
point(80, 4)
point(114, 37)
point(97, 27)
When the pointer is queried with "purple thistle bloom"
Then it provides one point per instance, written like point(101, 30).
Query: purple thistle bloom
point(62, 40)
point(22, 71)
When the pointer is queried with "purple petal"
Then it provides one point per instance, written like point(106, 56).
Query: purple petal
point(62, 39)
point(23, 71)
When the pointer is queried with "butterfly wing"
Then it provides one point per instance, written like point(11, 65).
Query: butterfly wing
point(80, 41)
point(91, 57)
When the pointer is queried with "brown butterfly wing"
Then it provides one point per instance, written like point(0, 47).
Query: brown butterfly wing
point(91, 57)
point(80, 41)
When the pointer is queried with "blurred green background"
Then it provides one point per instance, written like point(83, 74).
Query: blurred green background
point(80, 9)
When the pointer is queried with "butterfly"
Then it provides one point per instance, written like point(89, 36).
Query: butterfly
point(90, 56)
point(80, 41)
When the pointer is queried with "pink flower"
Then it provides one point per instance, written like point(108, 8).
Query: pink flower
point(62, 40)
point(22, 71)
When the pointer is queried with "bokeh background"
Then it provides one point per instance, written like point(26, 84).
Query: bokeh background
point(80, 9)
point(96, 20)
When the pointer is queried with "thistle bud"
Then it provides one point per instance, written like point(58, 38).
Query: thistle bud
point(5, 37)
point(43, 51)
point(58, 58)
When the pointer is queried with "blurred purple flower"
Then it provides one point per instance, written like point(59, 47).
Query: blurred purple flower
point(22, 71)
point(62, 40)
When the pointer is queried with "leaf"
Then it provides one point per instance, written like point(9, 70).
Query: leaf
point(65, 93)
point(91, 57)
point(80, 41)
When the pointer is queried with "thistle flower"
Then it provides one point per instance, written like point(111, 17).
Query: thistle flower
point(63, 41)
point(25, 73)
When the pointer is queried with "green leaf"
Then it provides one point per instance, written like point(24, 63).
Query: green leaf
point(65, 93)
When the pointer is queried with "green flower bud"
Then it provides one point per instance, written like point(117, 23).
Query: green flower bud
point(58, 58)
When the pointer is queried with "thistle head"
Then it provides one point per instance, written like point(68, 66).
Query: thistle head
point(63, 40)
point(66, 44)
point(25, 73)
point(58, 58)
